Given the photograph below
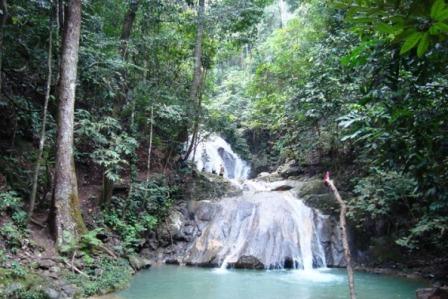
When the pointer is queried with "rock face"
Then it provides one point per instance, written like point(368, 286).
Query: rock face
point(264, 229)
point(264, 226)
point(432, 293)
point(138, 263)
point(290, 168)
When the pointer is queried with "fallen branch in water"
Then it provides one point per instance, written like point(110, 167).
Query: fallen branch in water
point(343, 224)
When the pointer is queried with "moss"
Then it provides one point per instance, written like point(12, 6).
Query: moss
point(106, 276)
point(316, 195)
point(312, 187)
point(75, 204)
point(385, 249)
point(29, 286)
point(75, 210)
point(206, 186)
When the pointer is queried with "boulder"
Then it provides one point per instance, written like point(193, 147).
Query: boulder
point(290, 168)
point(205, 211)
point(46, 264)
point(69, 291)
point(432, 293)
point(11, 289)
point(51, 293)
point(138, 263)
point(282, 188)
point(173, 230)
point(248, 262)
point(172, 261)
point(316, 195)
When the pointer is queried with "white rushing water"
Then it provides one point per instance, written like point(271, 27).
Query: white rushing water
point(285, 15)
point(213, 152)
point(273, 228)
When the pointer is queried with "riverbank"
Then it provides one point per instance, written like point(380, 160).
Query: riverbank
point(105, 270)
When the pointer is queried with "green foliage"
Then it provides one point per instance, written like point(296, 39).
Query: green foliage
point(111, 146)
point(383, 195)
point(12, 235)
point(89, 240)
point(18, 282)
point(357, 84)
point(105, 276)
point(148, 206)
point(14, 219)
point(419, 25)
point(86, 242)
point(17, 270)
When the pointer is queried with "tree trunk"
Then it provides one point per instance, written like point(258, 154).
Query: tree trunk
point(148, 162)
point(127, 26)
point(343, 224)
point(66, 220)
point(106, 193)
point(197, 75)
point(4, 9)
point(42, 132)
point(120, 101)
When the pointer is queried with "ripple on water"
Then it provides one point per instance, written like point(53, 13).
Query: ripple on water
point(320, 276)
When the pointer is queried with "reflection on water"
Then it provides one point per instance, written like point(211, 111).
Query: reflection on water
point(171, 282)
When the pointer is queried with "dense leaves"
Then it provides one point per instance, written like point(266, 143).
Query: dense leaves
point(358, 86)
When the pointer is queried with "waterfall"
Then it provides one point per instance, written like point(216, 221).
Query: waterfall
point(260, 228)
point(213, 151)
point(285, 15)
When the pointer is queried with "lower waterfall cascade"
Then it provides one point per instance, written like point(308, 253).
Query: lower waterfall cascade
point(261, 228)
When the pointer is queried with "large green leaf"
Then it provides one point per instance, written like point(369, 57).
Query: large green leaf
point(440, 27)
point(442, 15)
point(436, 9)
point(390, 29)
point(411, 41)
point(423, 45)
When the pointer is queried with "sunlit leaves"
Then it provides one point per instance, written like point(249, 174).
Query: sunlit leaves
point(414, 25)
point(411, 41)
point(439, 12)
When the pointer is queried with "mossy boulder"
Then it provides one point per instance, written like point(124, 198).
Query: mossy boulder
point(28, 285)
point(138, 263)
point(316, 195)
point(205, 186)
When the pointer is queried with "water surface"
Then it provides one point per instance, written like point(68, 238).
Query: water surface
point(173, 282)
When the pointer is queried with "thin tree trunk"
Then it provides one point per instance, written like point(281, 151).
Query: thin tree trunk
point(120, 100)
point(127, 26)
point(343, 224)
point(148, 162)
point(44, 124)
point(133, 157)
point(66, 220)
point(106, 193)
point(4, 9)
point(195, 137)
point(61, 16)
point(197, 74)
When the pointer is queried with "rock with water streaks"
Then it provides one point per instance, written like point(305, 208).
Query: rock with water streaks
point(265, 228)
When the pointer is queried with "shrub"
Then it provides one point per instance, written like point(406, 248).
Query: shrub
point(105, 276)
point(147, 206)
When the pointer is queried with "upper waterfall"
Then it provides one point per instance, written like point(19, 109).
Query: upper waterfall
point(213, 151)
